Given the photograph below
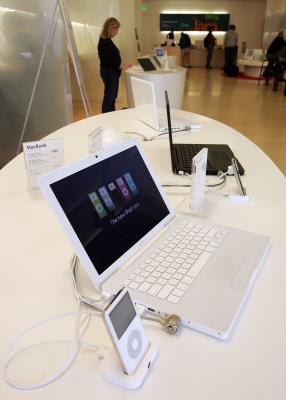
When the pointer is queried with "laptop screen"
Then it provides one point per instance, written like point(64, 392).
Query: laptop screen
point(146, 64)
point(111, 205)
point(145, 102)
point(159, 51)
point(156, 59)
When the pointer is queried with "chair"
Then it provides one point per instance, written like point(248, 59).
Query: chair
point(263, 65)
point(280, 68)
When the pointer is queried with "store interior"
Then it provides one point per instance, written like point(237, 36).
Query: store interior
point(56, 100)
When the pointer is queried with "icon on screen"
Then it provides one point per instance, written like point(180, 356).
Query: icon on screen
point(123, 188)
point(97, 205)
point(106, 198)
point(131, 183)
point(111, 186)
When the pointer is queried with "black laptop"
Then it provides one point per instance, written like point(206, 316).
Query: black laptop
point(219, 155)
point(146, 64)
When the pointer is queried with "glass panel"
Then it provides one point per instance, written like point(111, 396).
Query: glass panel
point(23, 30)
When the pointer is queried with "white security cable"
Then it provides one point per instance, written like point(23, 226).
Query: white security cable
point(11, 356)
point(98, 303)
point(171, 324)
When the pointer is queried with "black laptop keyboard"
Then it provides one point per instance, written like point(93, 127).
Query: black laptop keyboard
point(189, 152)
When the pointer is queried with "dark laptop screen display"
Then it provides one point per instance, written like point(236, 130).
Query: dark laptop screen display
point(146, 64)
point(111, 205)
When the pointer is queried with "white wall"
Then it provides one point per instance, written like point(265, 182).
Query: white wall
point(247, 15)
point(127, 33)
point(275, 20)
point(87, 18)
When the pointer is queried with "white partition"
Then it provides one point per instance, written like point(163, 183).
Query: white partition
point(23, 30)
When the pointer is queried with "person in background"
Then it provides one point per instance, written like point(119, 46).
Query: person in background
point(280, 67)
point(230, 46)
point(272, 53)
point(185, 45)
point(110, 63)
point(171, 38)
point(171, 35)
point(209, 44)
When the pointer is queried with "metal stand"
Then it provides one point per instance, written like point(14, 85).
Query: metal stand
point(74, 56)
point(261, 72)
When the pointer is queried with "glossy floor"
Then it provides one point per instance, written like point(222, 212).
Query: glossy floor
point(254, 110)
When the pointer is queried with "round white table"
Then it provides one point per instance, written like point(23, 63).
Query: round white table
point(36, 284)
point(173, 81)
point(252, 68)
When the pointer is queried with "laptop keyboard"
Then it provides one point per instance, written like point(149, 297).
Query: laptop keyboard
point(188, 153)
point(177, 262)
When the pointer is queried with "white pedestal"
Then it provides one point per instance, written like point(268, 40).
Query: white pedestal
point(111, 369)
point(252, 68)
point(173, 81)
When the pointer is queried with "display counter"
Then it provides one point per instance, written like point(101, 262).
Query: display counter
point(173, 81)
point(252, 68)
point(36, 283)
point(198, 56)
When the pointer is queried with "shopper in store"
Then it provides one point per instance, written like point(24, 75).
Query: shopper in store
point(230, 47)
point(273, 51)
point(185, 45)
point(209, 44)
point(171, 38)
point(110, 63)
point(171, 35)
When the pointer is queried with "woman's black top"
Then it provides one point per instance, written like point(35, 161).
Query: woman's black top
point(109, 54)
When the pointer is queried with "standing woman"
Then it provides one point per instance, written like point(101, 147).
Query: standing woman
point(110, 63)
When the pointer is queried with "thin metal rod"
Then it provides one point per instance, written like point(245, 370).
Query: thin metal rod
point(38, 74)
point(83, 94)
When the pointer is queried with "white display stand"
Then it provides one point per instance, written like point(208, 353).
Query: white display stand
point(111, 369)
point(35, 279)
point(173, 81)
point(252, 68)
point(252, 62)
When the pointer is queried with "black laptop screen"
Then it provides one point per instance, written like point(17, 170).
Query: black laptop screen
point(146, 64)
point(111, 205)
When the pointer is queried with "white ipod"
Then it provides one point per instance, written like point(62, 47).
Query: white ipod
point(126, 331)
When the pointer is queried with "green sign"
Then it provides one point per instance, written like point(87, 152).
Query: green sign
point(194, 22)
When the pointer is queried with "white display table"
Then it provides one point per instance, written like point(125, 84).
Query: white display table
point(252, 68)
point(36, 282)
point(172, 81)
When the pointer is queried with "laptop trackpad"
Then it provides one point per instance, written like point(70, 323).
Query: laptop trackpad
point(242, 274)
point(232, 272)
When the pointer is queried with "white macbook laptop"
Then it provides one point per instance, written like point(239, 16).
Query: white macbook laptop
point(111, 205)
point(147, 111)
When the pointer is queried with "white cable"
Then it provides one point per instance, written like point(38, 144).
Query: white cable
point(104, 299)
point(97, 303)
point(8, 357)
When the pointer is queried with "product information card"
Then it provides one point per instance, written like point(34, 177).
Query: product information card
point(95, 140)
point(41, 157)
